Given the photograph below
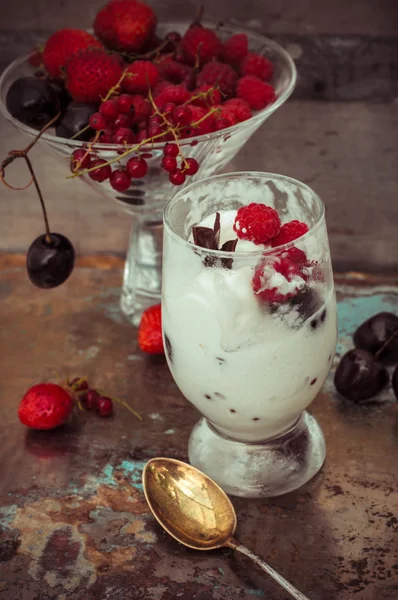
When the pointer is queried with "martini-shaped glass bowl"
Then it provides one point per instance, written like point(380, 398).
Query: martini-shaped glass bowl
point(146, 198)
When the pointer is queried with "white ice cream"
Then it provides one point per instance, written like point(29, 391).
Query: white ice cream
point(248, 371)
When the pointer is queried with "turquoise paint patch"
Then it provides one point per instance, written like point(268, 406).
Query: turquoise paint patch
point(7, 514)
point(107, 478)
point(133, 469)
point(354, 310)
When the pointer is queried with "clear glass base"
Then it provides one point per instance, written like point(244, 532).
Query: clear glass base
point(142, 280)
point(259, 470)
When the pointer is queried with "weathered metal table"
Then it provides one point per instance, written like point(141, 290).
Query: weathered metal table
point(73, 521)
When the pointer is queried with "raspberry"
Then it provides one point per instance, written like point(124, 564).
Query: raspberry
point(225, 113)
point(256, 93)
point(205, 126)
point(236, 48)
point(277, 279)
point(141, 76)
point(200, 42)
point(172, 93)
point(240, 108)
point(220, 75)
point(289, 232)
point(142, 108)
point(256, 222)
point(173, 71)
point(207, 96)
point(255, 64)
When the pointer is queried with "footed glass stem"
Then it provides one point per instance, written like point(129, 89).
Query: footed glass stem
point(259, 470)
point(142, 278)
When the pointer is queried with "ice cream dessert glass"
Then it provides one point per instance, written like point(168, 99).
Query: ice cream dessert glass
point(250, 326)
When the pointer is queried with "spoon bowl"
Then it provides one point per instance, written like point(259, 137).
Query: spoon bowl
point(196, 512)
point(189, 505)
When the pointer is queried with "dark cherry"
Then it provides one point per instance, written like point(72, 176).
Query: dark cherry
point(62, 93)
point(50, 264)
point(359, 376)
point(307, 302)
point(32, 101)
point(395, 382)
point(375, 332)
point(75, 119)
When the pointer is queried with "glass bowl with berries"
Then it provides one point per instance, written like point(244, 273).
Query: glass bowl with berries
point(140, 107)
point(250, 327)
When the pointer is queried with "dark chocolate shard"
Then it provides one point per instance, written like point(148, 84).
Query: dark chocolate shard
point(228, 246)
point(209, 239)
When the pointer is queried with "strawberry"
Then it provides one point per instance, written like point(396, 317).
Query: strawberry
point(200, 43)
point(91, 74)
point(150, 330)
point(125, 25)
point(64, 44)
point(45, 406)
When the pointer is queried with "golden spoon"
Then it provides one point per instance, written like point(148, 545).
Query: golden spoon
point(195, 511)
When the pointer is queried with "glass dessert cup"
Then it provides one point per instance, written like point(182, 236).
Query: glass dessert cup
point(146, 198)
point(251, 367)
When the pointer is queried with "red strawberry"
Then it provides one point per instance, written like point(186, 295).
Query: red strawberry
point(141, 76)
point(219, 74)
point(91, 74)
point(256, 92)
point(255, 64)
point(236, 48)
point(62, 45)
point(200, 43)
point(45, 406)
point(125, 25)
point(150, 330)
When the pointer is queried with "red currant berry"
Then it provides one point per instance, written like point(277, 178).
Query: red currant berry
point(100, 173)
point(169, 164)
point(142, 135)
point(173, 37)
point(182, 115)
point(137, 167)
point(104, 406)
point(109, 109)
point(167, 109)
point(90, 400)
point(123, 120)
point(177, 178)
point(126, 104)
point(191, 166)
point(123, 135)
point(120, 180)
point(171, 150)
point(106, 137)
point(154, 129)
point(80, 159)
point(98, 121)
point(156, 119)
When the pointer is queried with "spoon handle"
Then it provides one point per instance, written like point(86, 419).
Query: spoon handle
point(294, 592)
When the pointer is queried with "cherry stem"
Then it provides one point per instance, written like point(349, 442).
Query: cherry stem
point(386, 344)
point(13, 154)
point(43, 206)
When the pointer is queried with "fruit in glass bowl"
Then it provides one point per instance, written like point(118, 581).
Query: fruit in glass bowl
point(187, 85)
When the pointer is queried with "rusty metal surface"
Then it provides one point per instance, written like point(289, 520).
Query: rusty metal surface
point(73, 521)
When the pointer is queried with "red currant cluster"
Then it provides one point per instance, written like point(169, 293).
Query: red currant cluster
point(125, 120)
point(91, 399)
